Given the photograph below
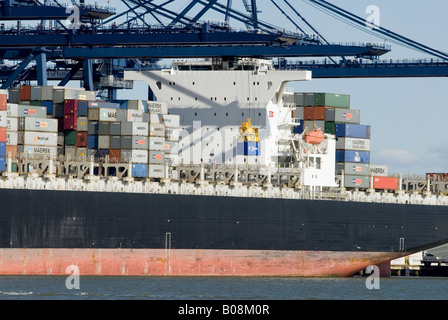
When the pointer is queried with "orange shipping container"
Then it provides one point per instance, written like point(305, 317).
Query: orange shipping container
point(390, 183)
point(115, 155)
point(314, 113)
point(2, 134)
point(12, 150)
point(25, 93)
point(3, 102)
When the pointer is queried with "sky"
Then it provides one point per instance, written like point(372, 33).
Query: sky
point(408, 116)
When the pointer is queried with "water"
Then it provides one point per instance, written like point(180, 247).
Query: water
point(220, 288)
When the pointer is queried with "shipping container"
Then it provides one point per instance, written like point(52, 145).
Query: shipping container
point(356, 181)
point(93, 127)
point(82, 139)
point(4, 118)
point(11, 151)
point(3, 100)
point(330, 127)
point(156, 171)
point(139, 170)
point(82, 124)
point(25, 93)
point(299, 99)
point(106, 114)
point(93, 104)
point(58, 110)
point(64, 93)
point(12, 124)
point(156, 157)
point(389, 183)
point(299, 128)
point(126, 142)
point(352, 156)
point(135, 156)
point(39, 124)
point(81, 152)
point(49, 106)
point(21, 110)
point(2, 134)
point(352, 130)
point(34, 138)
point(310, 125)
point(157, 143)
point(140, 142)
point(157, 130)
point(13, 96)
point(115, 142)
point(70, 151)
point(171, 120)
point(172, 159)
point(353, 144)
point(70, 122)
point(2, 164)
point(115, 128)
point(103, 142)
point(342, 115)
point(157, 107)
point(12, 138)
point(309, 100)
point(61, 138)
point(379, 170)
point(299, 113)
point(38, 151)
point(71, 106)
point(2, 149)
point(115, 155)
point(130, 115)
point(332, 100)
point(93, 141)
point(42, 93)
point(172, 134)
point(171, 147)
point(136, 105)
point(134, 128)
point(361, 169)
point(155, 118)
point(70, 137)
point(314, 113)
point(103, 128)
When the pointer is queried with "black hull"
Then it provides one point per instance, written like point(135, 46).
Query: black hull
point(81, 219)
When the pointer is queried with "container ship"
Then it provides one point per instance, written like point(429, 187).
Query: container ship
point(222, 172)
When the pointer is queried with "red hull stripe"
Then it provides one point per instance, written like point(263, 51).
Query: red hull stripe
point(187, 262)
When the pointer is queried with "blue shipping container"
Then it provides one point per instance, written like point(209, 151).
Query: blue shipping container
point(2, 149)
point(352, 130)
point(49, 105)
point(2, 164)
point(352, 156)
point(248, 148)
point(93, 142)
point(298, 128)
point(139, 170)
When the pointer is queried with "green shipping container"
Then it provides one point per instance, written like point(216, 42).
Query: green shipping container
point(70, 137)
point(36, 103)
point(332, 100)
point(330, 127)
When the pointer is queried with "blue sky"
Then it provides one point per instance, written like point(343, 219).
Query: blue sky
point(409, 116)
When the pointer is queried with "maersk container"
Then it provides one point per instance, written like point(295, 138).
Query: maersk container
point(356, 181)
point(388, 183)
point(171, 147)
point(156, 107)
point(353, 130)
point(140, 142)
point(156, 171)
point(157, 130)
point(139, 170)
point(172, 159)
point(332, 100)
point(38, 151)
point(157, 143)
point(171, 120)
point(135, 105)
point(34, 138)
point(134, 128)
point(351, 168)
point(156, 157)
point(352, 156)
point(40, 124)
point(342, 115)
point(379, 170)
point(22, 110)
point(130, 115)
point(172, 134)
point(353, 144)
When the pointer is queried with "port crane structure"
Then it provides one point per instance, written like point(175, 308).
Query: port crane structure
point(99, 41)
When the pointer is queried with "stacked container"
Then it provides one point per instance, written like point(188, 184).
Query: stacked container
point(3, 129)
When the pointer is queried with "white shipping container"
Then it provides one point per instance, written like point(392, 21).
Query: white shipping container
point(22, 110)
point(62, 93)
point(136, 105)
point(12, 124)
point(42, 93)
point(172, 134)
point(134, 128)
point(415, 259)
point(379, 170)
point(157, 107)
point(38, 151)
point(353, 144)
point(3, 119)
point(12, 138)
point(156, 171)
point(41, 124)
point(171, 147)
point(130, 115)
point(138, 156)
point(171, 120)
point(172, 159)
point(398, 262)
point(108, 114)
point(157, 143)
point(156, 157)
point(155, 118)
point(156, 130)
point(34, 138)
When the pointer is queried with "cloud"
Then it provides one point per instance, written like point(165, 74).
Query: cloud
point(398, 156)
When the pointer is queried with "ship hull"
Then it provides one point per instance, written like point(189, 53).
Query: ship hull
point(184, 262)
point(44, 231)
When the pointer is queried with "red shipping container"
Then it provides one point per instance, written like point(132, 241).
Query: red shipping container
point(3, 102)
point(82, 139)
point(25, 93)
point(390, 183)
point(314, 113)
point(115, 155)
point(71, 106)
point(12, 150)
point(70, 121)
point(2, 134)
